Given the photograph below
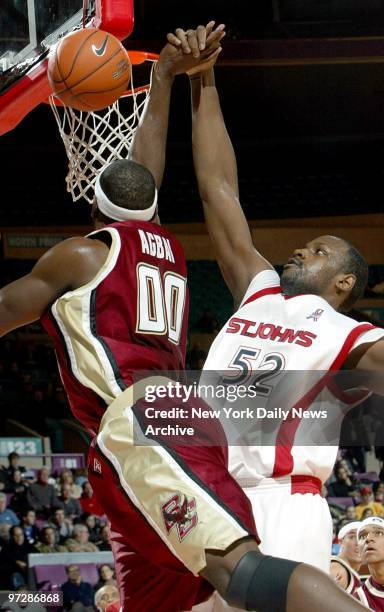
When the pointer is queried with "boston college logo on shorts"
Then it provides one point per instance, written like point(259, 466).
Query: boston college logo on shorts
point(179, 512)
point(96, 465)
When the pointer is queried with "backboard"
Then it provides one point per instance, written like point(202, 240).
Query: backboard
point(28, 29)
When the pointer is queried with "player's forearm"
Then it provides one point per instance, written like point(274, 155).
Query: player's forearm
point(216, 171)
point(149, 143)
point(214, 158)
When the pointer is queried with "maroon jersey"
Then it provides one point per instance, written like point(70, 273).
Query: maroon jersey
point(132, 316)
point(371, 595)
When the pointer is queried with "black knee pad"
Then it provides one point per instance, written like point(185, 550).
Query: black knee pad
point(260, 583)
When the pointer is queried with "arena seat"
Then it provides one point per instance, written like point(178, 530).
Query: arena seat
point(367, 477)
point(340, 501)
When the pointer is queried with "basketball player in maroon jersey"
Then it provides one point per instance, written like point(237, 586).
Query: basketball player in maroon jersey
point(345, 566)
point(370, 537)
point(114, 302)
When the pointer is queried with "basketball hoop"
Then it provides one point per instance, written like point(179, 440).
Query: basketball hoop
point(94, 139)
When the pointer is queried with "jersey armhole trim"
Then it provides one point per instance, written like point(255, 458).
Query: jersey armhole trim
point(348, 343)
point(261, 293)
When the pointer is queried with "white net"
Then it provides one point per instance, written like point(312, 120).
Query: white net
point(94, 139)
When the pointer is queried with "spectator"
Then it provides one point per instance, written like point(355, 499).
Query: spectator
point(350, 516)
point(367, 513)
point(15, 557)
point(105, 596)
point(3, 479)
point(13, 464)
point(88, 501)
point(28, 525)
point(66, 477)
point(345, 464)
point(79, 542)
point(367, 502)
point(63, 527)
point(104, 542)
point(350, 513)
point(71, 506)
point(6, 514)
point(48, 543)
point(343, 486)
point(41, 496)
point(4, 534)
point(18, 501)
point(378, 489)
point(77, 595)
point(80, 477)
point(93, 524)
point(15, 483)
point(106, 576)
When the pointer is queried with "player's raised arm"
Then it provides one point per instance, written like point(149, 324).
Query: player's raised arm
point(368, 360)
point(177, 57)
point(216, 171)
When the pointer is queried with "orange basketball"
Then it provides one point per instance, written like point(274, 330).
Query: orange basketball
point(89, 69)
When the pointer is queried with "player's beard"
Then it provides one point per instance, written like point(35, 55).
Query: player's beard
point(296, 281)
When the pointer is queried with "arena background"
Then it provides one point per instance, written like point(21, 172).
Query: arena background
point(302, 91)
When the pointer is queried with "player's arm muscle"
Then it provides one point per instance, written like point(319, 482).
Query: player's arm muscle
point(339, 574)
point(66, 266)
point(216, 172)
point(149, 143)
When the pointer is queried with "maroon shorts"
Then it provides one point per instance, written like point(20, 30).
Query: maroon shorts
point(167, 504)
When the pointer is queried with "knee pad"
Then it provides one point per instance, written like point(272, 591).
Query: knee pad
point(259, 582)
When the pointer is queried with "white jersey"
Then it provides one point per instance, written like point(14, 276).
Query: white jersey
point(274, 333)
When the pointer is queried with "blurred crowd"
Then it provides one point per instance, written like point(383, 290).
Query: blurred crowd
point(44, 513)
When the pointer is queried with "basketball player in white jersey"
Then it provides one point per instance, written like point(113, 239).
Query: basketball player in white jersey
point(345, 566)
point(296, 323)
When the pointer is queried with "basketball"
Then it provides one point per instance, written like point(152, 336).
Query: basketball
point(89, 69)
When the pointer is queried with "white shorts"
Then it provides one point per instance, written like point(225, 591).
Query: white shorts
point(294, 526)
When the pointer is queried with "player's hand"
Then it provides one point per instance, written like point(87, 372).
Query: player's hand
point(203, 39)
point(187, 50)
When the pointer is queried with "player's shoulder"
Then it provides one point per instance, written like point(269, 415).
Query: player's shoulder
point(80, 246)
point(264, 283)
